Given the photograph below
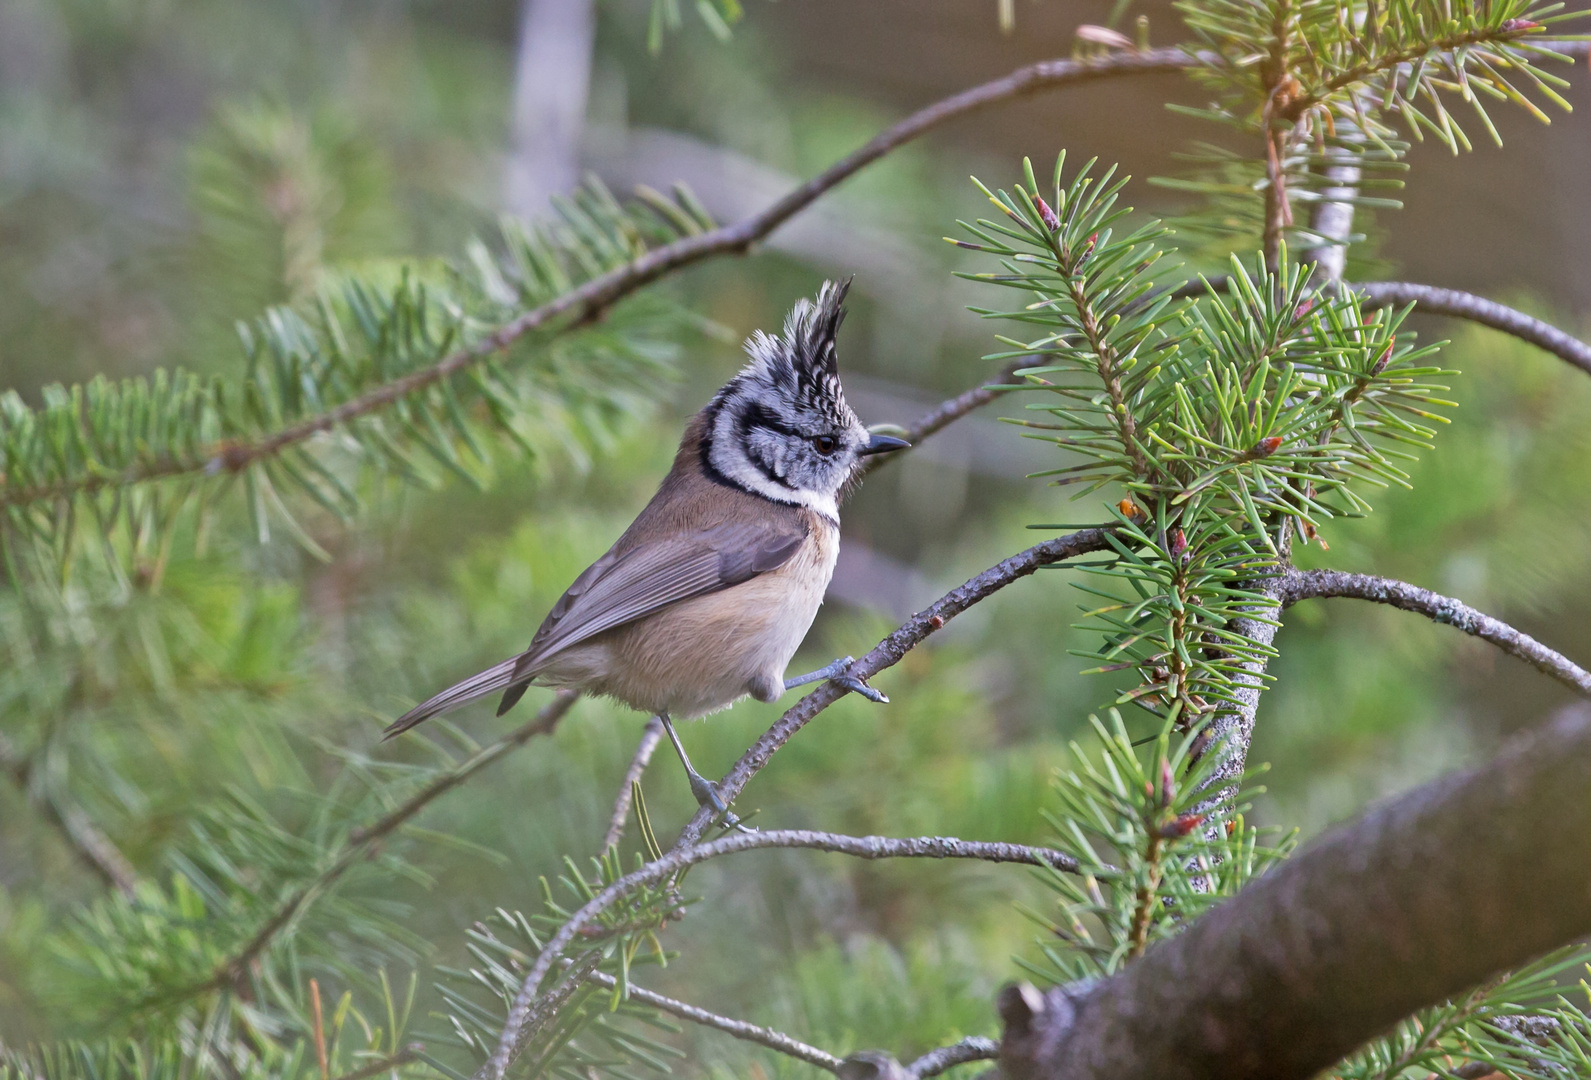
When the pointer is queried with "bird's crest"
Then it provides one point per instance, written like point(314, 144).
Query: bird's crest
point(802, 362)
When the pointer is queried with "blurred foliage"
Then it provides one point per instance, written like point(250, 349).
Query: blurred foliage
point(211, 702)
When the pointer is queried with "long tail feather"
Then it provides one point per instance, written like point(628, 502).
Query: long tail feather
point(490, 681)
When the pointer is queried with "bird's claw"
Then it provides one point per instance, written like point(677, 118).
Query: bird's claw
point(855, 685)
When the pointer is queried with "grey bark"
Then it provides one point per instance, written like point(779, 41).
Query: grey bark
point(1307, 584)
point(1463, 305)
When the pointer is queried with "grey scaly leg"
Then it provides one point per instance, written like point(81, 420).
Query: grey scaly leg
point(836, 673)
point(702, 788)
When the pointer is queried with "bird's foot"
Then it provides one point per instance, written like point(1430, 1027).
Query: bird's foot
point(706, 794)
point(837, 673)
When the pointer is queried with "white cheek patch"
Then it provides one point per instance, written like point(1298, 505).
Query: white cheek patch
point(727, 456)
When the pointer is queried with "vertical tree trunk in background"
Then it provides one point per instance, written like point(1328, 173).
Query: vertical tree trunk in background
point(1332, 217)
point(551, 81)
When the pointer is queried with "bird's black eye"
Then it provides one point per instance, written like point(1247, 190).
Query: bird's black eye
point(825, 444)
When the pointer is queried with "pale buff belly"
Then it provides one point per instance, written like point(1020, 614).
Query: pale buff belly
point(701, 655)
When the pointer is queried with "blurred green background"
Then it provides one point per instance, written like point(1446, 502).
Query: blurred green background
point(168, 167)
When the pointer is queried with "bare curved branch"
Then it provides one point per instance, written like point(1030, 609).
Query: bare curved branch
point(1434, 300)
point(887, 653)
point(680, 857)
point(1299, 585)
point(975, 1048)
point(740, 1029)
point(650, 737)
point(1463, 305)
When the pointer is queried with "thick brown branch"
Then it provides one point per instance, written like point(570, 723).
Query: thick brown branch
point(1307, 584)
point(887, 653)
point(588, 302)
point(740, 1029)
point(1463, 305)
point(1415, 903)
point(524, 1010)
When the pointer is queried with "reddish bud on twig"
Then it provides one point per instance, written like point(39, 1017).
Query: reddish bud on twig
point(1046, 215)
point(1267, 446)
point(1381, 363)
point(1180, 826)
point(1519, 26)
point(1168, 783)
point(1179, 545)
point(1305, 308)
point(937, 622)
point(1088, 248)
point(1128, 508)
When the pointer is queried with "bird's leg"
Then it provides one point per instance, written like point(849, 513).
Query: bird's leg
point(836, 673)
point(702, 788)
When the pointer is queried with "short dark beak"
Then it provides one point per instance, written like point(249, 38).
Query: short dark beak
point(880, 444)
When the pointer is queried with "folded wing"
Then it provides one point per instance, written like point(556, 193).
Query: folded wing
point(620, 588)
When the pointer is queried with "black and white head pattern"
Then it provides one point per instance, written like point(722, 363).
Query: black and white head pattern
point(781, 428)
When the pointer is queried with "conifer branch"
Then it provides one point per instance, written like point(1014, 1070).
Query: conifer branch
point(361, 840)
point(588, 302)
point(1391, 61)
point(526, 1008)
point(886, 654)
point(740, 1029)
point(1299, 585)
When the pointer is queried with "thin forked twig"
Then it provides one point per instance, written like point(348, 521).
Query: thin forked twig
point(632, 776)
point(886, 654)
point(96, 850)
point(740, 1029)
point(360, 840)
point(1309, 584)
point(586, 303)
point(522, 1015)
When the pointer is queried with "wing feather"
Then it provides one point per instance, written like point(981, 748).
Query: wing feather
point(654, 576)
